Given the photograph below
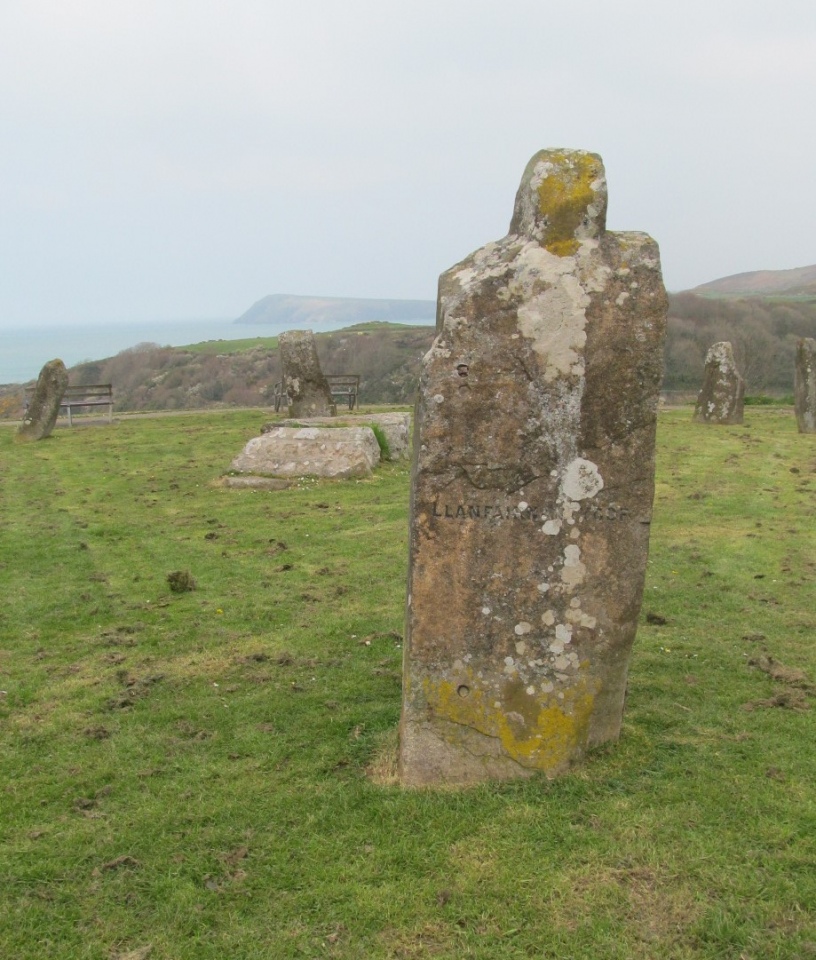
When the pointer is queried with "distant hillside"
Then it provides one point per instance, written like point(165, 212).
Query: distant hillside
point(799, 282)
point(298, 313)
point(242, 372)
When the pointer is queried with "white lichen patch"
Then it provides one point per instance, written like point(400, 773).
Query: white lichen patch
point(574, 570)
point(548, 618)
point(552, 527)
point(553, 311)
point(563, 632)
point(581, 480)
point(543, 587)
point(522, 628)
point(521, 647)
point(486, 611)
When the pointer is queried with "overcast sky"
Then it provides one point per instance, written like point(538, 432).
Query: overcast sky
point(184, 158)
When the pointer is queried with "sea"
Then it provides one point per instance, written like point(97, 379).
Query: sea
point(24, 351)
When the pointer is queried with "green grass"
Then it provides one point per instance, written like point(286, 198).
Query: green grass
point(186, 775)
point(224, 347)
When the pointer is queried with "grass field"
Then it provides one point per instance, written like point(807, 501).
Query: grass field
point(206, 775)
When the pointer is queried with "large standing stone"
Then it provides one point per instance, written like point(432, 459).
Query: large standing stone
point(804, 385)
point(307, 390)
point(43, 410)
point(532, 489)
point(720, 399)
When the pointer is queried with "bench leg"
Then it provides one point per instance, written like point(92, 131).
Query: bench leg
point(70, 421)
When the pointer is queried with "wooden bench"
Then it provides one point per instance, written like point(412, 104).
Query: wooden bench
point(343, 386)
point(79, 397)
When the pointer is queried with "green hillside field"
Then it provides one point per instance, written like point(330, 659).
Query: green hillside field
point(209, 773)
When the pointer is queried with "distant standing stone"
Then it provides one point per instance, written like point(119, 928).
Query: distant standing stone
point(720, 399)
point(532, 488)
point(43, 410)
point(804, 385)
point(307, 390)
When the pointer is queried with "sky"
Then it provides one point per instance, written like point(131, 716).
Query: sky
point(171, 159)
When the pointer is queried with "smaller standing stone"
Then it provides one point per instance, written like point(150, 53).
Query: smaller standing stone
point(804, 385)
point(307, 390)
point(43, 410)
point(720, 399)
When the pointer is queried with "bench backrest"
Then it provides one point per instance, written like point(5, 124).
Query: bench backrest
point(81, 392)
point(347, 380)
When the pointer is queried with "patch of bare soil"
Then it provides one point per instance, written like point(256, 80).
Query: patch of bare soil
point(800, 687)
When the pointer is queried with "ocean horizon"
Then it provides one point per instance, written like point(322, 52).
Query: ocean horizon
point(25, 351)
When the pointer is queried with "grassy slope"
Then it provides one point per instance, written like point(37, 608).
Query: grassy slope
point(220, 738)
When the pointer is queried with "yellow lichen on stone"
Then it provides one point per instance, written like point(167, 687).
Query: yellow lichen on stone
point(564, 196)
point(538, 731)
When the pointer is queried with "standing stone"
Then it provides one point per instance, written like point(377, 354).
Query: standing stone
point(43, 410)
point(804, 385)
point(532, 488)
point(307, 390)
point(720, 399)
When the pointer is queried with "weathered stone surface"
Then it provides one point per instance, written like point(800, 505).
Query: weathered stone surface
point(251, 482)
point(396, 428)
point(43, 410)
point(532, 488)
point(720, 399)
point(310, 452)
point(804, 385)
point(307, 390)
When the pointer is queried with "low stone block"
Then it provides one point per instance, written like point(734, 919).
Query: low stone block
point(336, 453)
point(396, 428)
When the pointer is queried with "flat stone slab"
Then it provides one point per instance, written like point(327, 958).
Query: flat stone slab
point(336, 453)
point(250, 482)
point(396, 428)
